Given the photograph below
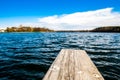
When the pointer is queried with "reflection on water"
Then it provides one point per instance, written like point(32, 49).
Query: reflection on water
point(27, 56)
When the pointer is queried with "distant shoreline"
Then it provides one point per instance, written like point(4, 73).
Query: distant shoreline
point(106, 29)
point(109, 29)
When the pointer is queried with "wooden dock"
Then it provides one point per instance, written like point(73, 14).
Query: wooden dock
point(73, 64)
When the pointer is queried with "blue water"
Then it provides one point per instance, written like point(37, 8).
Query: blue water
point(28, 56)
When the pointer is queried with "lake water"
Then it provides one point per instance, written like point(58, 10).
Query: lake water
point(28, 56)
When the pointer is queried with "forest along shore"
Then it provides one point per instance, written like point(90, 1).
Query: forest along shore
point(26, 29)
point(99, 29)
point(43, 29)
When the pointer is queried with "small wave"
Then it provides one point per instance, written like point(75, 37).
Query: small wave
point(29, 56)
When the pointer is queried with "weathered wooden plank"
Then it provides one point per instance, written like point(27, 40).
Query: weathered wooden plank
point(73, 64)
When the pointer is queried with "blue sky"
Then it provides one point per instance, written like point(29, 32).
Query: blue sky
point(14, 12)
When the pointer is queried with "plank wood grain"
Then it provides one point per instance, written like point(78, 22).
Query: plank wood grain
point(73, 64)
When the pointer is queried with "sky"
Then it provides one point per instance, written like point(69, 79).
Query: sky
point(60, 14)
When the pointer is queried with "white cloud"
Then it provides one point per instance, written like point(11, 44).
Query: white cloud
point(73, 21)
point(82, 20)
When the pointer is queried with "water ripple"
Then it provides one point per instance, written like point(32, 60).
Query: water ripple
point(28, 56)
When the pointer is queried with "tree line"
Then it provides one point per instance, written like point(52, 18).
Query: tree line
point(27, 29)
point(107, 29)
point(99, 29)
